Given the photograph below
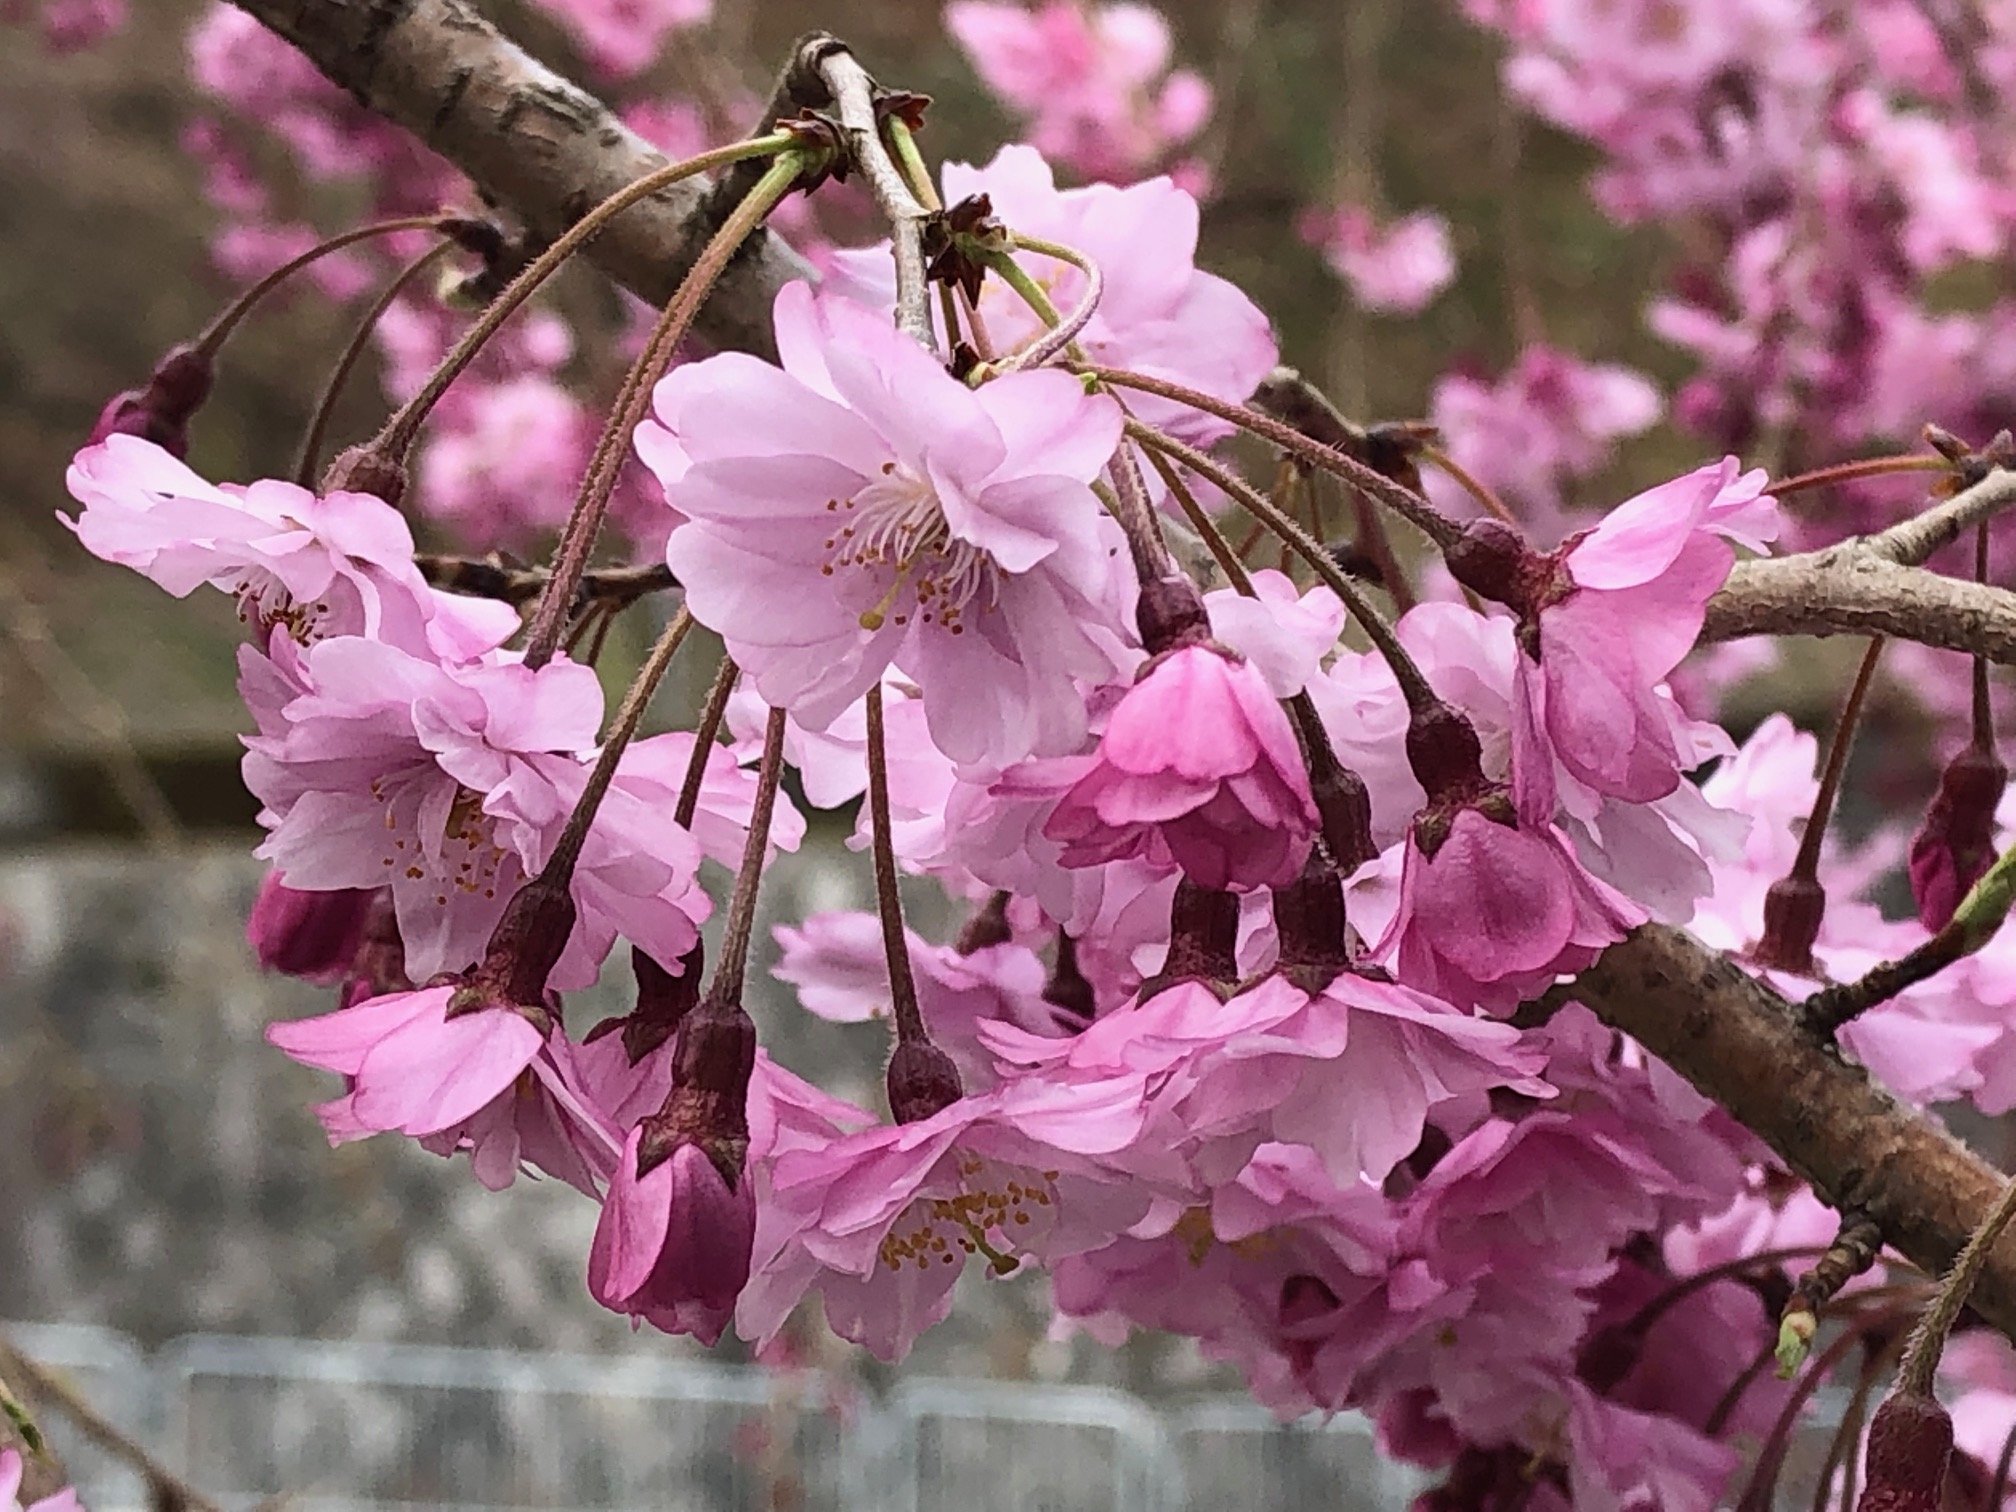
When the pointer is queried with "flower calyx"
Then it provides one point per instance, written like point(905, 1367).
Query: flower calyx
point(523, 950)
point(921, 1081)
point(367, 469)
point(960, 240)
point(161, 410)
point(708, 1106)
point(1203, 942)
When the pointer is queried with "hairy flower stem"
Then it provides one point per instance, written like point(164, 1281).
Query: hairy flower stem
point(1928, 1339)
point(584, 522)
point(559, 867)
point(1207, 531)
point(1403, 501)
point(1470, 483)
point(1414, 686)
point(397, 436)
point(309, 460)
point(741, 927)
point(1848, 472)
point(704, 735)
point(219, 330)
point(1127, 501)
point(895, 948)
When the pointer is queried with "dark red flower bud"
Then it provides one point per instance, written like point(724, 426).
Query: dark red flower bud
point(1170, 613)
point(1910, 1445)
point(1443, 750)
point(1955, 846)
point(315, 935)
point(161, 411)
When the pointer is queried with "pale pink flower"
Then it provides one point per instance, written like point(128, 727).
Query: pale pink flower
point(452, 785)
point(1086, 76)
point(882, 1222)
point(1394, 269)
point(901, 518)
point(1282, 631)
point(504, 463)
point(319, 566)
point(67, 26)
point(836, 962)
point(1159, 314)
point(1198, 764)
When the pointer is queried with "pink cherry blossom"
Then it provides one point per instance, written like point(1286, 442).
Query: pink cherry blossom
point(1086, 75)
point(306, 934)
point(1395, 269)
point(320, 566)
point(1198, 764)
point(836, 962)
point(452, 784)
point(490, 1080)
point(672, 1246)
point(903, 518)
point(1159, 314)
point(881, 1222)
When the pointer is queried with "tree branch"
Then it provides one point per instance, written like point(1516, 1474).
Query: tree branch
point(1873, 585)
point(535, 144)
point(1742, 1044)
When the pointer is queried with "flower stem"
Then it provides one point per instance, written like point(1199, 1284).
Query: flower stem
point(584, 523)
point(309, 460)
point(1807, 863)
point(704, 735)
point(1063, 333)
point(1928, 1339)
point(1208, 532)
point(741, 928)
point(397, 436)
point(1403, 501)
point(1470, 483)
point(1848, 472)
point(219, 330)
point(895, 946)
point(559, 868)
point(1414, 686)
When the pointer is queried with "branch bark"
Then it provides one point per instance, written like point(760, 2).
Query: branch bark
point(1873, 585)
point(1742, 1044)
point(533, 143)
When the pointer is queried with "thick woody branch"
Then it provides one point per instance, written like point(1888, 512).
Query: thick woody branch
point(1742, 1044)
point(533, 143)
point(1872, 585)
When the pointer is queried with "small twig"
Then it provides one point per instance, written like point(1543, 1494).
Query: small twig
point(853, 94)
point(1910, 542)
point(1853, 1251)
point(515, 584)
point(168, 1488)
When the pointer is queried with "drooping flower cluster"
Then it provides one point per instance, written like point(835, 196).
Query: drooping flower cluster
point(1262, 1028)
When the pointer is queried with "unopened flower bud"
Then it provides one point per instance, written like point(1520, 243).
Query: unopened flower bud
point(161, 411)
point(1170, 613)
point(922, 1081)
point(314, 935)
point(1955, 845)
point(364, 469)
point(1793, 910)
point(1910, 1446)
point(1346, 806)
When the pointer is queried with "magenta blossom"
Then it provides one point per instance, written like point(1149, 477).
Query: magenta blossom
point(882, 1222)
point(622, 37)
point(319, 566)
point(902, 517)
point(489, 1080)
point(307, 934)
point(1198, 763)
point(1492, 911)
point(672, 1246)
